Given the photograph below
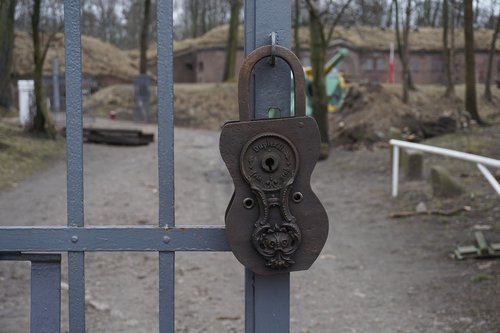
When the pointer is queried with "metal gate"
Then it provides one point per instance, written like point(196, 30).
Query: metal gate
point(267, 299)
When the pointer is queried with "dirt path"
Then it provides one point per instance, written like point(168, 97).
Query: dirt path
point(374, 275)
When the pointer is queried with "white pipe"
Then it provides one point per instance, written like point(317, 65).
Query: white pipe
point(447, 152)
point(489, 177)
point(395, 171)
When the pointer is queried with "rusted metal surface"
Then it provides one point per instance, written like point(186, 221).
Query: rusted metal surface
point(274, 222)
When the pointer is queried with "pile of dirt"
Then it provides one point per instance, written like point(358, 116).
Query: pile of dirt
point(99, 59)
point(204, 105)
point(215, 38)
point(118, 98)
point(371, 109)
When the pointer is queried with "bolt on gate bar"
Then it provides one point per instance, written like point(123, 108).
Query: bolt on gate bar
point(267, 299)
point(480, 161)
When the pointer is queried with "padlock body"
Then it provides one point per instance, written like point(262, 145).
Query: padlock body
point(274, 222)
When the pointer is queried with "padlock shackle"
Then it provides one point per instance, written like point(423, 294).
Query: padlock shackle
point(246, 70)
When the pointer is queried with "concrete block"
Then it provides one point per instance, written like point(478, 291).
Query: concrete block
point(443, 184)
point(412, 162)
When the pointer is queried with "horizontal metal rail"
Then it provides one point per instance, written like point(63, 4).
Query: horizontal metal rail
point(447, 152)
point(109, 238)
point(480, 161)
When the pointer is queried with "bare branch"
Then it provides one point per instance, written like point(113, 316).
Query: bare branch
point(46, 47)
point(337, 20)
point(313, 10)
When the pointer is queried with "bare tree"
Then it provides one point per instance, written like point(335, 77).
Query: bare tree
point(194, 12)
point(487, 83)
point(406, 52)
point(321, 26)
point(404, 49)
point(370, 12)
point(470, 65)
point(196, 17)
point(448, 57)
point(42, 123)
point(7, 10)
point(232, 41)
point(388, 18)
point(143, 61)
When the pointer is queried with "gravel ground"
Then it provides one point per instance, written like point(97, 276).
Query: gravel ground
point(374, 275)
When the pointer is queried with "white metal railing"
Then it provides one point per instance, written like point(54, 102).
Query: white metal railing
point(480, 161)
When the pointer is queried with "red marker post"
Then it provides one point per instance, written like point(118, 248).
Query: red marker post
point(391, 65)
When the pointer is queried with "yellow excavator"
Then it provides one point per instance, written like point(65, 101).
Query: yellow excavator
point(335, 83)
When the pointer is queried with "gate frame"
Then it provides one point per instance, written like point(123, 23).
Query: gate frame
point(267, 299)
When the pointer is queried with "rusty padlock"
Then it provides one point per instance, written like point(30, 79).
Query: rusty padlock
point(274, 221)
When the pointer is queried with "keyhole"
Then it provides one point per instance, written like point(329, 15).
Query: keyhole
point(270, 163)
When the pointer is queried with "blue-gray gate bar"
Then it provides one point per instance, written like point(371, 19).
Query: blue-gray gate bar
point(166, 260)
point(45, 313)
point(74, 157)
point(116, 238)
point(267, 298)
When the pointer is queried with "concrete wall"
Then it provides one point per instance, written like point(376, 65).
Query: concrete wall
point(185, 68)
point(211, 64)
point(427, 66)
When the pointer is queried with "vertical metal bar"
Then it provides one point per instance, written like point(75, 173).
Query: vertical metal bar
point(74, 155)
point(272, 303)
point(267, 303)
point(166, 292)
point(395, 170)
point(165, 113)
point(267, 299)
point(56, 102)
point(76, 293)
point(45, 314)
point(166, 260)
point(272, 83)
point(249, 301)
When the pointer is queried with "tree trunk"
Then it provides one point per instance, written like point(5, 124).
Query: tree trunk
point(470, 66)
point(203, 21)
point(487, 83)
point(232, 41)
point(406, 41)
point(435, 15)
point(319, 100)
point(7, 10)
point(404, 50)
point(143, 62)
point(448, 69)
point(406, 53)
point(193, 8)
point(42, 122)
point(452, 46)
point(388, 21)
